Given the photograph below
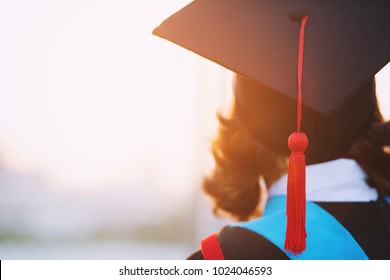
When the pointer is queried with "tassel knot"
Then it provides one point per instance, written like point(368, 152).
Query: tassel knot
point(297, 142)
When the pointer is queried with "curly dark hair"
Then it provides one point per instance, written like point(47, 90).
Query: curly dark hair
point(240, 161)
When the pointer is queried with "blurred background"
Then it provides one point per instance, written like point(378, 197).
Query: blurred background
point(105, 132)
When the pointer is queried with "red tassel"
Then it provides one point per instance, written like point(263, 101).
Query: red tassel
point(295, 241)
point(296, 195)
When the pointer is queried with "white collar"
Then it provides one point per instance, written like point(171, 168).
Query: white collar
point(337, 180)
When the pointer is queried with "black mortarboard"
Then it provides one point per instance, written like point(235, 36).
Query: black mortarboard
point(346, 43)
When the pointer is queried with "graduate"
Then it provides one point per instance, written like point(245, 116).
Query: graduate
point(305, 121)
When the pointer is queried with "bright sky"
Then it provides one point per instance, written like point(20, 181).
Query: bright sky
point(90, 98)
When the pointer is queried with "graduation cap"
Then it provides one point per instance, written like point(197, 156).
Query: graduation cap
point(321, 55)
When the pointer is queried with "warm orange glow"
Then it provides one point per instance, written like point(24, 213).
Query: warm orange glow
point(383, 90)
point(95, 100)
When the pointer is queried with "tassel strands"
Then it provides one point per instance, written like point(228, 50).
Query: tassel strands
point(295, 241)
point(296, 195)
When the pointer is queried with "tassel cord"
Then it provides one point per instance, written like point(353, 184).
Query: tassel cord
point(296, 181)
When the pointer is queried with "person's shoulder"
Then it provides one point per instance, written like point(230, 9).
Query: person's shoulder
point(241, 243)
point(196, 256)
point(238, 243)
